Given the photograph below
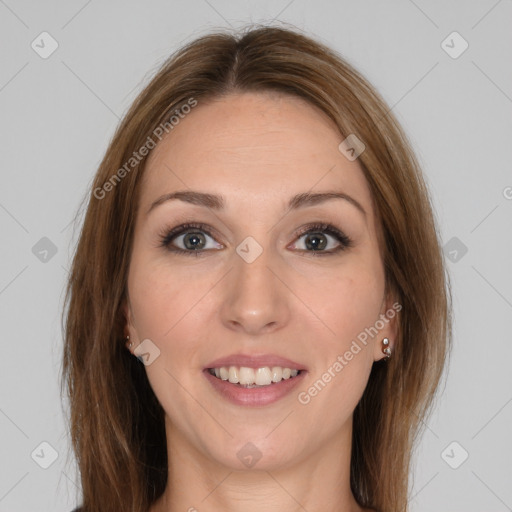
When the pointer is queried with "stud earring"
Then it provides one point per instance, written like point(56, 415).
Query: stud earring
point(386, 349)
point(128, 339)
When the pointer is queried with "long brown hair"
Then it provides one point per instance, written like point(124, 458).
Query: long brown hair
point(116, 422)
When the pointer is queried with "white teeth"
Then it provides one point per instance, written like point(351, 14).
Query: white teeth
point(233, 375)
point(250, 377)
point(263, 376)
point(246, 375)
point(277, 373)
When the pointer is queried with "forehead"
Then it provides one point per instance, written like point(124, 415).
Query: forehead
point(256, 147)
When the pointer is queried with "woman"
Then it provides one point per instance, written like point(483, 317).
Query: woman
point(257, 312)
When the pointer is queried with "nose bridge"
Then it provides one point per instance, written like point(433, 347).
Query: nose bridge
point(255, 299)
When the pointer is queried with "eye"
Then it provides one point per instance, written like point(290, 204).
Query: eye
point(316, 239)
point(191, 239)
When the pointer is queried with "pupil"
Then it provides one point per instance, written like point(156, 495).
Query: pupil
point(315, 245)
point(194, 238)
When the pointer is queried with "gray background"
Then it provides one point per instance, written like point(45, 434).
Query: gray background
point(59, 113)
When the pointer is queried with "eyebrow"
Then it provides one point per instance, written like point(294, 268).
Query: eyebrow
point(216, 202)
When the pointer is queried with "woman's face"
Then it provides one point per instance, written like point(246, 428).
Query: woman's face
point(248, 291)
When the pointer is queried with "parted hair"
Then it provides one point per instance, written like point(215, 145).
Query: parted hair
point(116, 423)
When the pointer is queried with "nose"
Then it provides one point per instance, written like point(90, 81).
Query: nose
point(255, 300)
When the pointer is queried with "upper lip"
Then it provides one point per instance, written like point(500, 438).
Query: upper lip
point(255, 361)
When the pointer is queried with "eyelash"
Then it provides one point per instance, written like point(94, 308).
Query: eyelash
point(167, 235)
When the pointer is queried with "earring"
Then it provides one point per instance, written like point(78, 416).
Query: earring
point(128, 339)
point(386, 349)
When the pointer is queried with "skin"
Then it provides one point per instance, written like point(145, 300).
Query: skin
point(257, 150)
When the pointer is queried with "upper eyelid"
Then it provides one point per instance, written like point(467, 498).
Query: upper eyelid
point(184, 227)
point(310, 226)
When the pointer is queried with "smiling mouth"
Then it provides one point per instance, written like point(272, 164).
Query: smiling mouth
point(246, 377)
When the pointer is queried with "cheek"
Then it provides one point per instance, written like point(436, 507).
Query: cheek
point(170, 308)
point(347, 299)
point(350, 304)
point(162, 298)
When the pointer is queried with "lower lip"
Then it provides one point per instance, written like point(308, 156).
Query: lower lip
point(259, 396)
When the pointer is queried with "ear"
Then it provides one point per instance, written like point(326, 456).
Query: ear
point(387, 324)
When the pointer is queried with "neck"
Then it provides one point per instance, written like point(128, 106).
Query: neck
point(317, 480)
